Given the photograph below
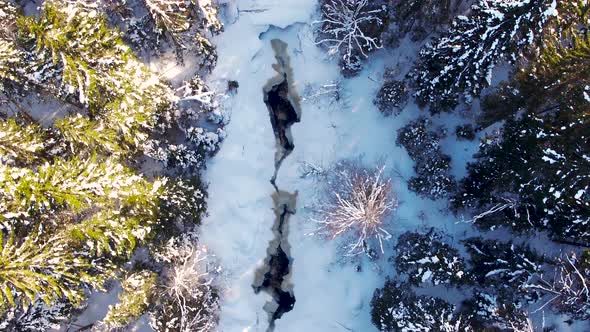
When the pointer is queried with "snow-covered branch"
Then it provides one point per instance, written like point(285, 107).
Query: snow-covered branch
point(347, 26)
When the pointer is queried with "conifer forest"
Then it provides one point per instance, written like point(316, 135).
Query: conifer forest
point(295, 165)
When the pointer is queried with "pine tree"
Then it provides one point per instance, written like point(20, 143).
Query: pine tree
point(535, 176)
point(47, 269)
point(462, 60)
point(424, 257)
point(138, 290)
point(485, 312)
point(36, 317)
point(558, 77)
point(75, 184)
point(10, 56)
point(421, 17)
point(503, 266)
point(22, 145)
point(117, 232)
point(433, 179)
point(395, 307)
point(108, 80)
point(83, 136)
point(170, 15)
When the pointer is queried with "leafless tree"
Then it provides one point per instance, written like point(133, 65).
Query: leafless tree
point(348, 26)
point(190, 300)
point(568, 287)
point(359, 200)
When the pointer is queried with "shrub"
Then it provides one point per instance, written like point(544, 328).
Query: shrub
point(432, 167)
point(392, 97)
point(465, 132)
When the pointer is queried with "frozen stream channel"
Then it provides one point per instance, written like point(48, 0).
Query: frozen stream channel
point(331, 294)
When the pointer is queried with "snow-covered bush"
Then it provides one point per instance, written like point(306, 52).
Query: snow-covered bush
point(184, 201)
point(359, 201)
point(184, 156)
point(396, 307)
point(466, 132)
point(433, 178)
point(198, 93)
point(504, 266)
point(8, 14)
point(351, 28)
point(392, 97)
point(188, 300)
point(424, 257)
point(462, 60)
point(567, 288)
point(142, 35)
point(138, 290)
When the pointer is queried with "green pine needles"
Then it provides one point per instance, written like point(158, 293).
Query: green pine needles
point(73, 203)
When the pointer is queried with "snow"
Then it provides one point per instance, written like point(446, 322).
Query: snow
point(330, 294)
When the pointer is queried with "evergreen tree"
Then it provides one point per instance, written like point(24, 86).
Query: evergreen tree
point(424, 257)
point(36, 268)
point(485, 312)
point(22, 145)
point(75, 184)
point(395, 307)
point(108, 79)
point(433, 179)
point(73, 209)
point(462, 60)
point(170, 15)
point(138, 290)
point(504, 266)
point(534, 176)
point(421, 17)
point(36, 317)
point(10, 57)
point(559, 76)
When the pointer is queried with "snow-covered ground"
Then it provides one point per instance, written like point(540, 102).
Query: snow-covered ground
point(331, 295)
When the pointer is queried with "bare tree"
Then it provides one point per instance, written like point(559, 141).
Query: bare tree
point(359, 201)
point(190, 302)
point(569, 287)
point(349, 27)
